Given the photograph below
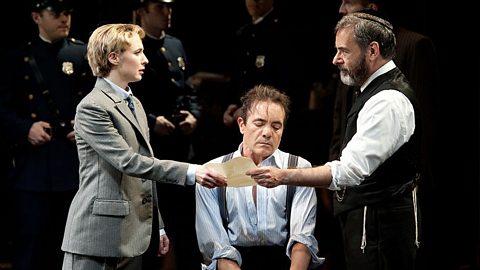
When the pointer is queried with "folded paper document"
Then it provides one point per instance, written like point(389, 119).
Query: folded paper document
point(234, 170)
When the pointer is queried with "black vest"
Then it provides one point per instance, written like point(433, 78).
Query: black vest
point(398, 174)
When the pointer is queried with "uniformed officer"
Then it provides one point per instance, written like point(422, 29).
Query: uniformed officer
point(40, 89)
point(169, 100)
point(173, 112)
point(272, 50)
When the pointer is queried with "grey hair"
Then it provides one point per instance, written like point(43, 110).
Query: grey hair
point(367, 29)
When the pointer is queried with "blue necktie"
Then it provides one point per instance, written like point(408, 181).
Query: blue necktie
point(130, 103)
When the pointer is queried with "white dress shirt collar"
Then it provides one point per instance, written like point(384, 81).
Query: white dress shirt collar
point(120, 91)
point(383, 69)
point(272, 160)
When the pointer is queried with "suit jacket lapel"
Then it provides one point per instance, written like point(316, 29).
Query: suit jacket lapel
point(122, 107)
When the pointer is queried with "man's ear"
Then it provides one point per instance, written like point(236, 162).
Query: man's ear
point(374, 49)
point(372, 6)
point(35, 16)
point(241, 124)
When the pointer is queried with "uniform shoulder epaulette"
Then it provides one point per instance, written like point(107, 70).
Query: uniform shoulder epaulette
point(76, 41)
point(170, 37)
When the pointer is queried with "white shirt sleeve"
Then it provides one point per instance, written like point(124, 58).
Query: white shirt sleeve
point(384, 124)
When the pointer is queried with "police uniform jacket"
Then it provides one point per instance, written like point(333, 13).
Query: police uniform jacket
point(164, 90)
point(50, 95)
point(270, 52)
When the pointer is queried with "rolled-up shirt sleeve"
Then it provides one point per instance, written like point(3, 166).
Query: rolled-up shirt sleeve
point(384, 124)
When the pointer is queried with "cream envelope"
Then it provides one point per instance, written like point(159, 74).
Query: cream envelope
point(234, 170)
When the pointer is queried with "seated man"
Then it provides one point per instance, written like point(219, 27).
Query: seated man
point(265, 228)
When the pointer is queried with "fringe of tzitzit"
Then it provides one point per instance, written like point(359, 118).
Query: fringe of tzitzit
point(364, 231)
point(415, 210)
point(414, 195)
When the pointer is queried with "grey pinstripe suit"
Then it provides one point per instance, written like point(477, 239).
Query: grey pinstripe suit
point(111, 214)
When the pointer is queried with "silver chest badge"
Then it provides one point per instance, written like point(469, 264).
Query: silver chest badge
point(181, 63)
point(67, 68)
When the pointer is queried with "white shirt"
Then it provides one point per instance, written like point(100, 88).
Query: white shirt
point(262, 225)
point(384, 124)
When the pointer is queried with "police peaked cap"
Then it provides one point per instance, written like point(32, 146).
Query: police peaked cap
point(53, 5)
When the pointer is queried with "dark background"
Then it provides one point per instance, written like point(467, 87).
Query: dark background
point(452, 230)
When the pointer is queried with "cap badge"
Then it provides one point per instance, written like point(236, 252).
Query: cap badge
point(260, 61)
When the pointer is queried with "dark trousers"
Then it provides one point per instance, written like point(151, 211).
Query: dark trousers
point(40, 219)
point(264, 257)
point(390, 236)
point(180, 224)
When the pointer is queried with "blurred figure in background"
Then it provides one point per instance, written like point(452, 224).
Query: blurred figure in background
point(270, 50)
point(39, 92)
point(173, 111)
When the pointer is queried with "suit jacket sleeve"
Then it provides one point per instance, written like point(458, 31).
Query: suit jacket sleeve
point(112, 136)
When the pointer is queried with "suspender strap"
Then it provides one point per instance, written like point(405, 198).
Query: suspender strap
point(222, 196)
point(292, 163)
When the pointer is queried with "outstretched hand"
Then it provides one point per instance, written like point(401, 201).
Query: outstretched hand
point(266, 176)
point(209, 178)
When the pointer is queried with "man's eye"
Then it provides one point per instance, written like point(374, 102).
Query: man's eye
point(259, 123)
point(276, 127)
